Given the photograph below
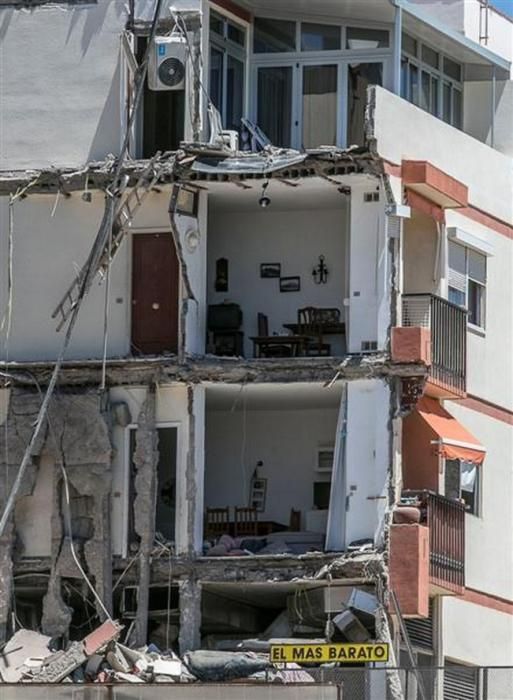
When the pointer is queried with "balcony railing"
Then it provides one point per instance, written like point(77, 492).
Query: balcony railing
point(445, 519)
point(447, 323)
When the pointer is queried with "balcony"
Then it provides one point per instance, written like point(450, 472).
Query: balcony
point(445, 520)
point(447, 327)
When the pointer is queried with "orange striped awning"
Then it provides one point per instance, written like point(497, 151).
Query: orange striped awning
point(454, 440)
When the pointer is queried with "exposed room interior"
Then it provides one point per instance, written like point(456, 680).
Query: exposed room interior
point(268, 462)
point(284, 267)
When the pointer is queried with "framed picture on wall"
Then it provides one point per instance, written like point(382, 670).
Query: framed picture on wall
point(270, 270)
point(257, 494)
point(290, 284)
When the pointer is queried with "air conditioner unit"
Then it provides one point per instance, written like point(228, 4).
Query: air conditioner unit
point(166, 67)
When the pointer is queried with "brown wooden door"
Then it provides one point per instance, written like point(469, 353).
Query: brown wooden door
point(155, 275)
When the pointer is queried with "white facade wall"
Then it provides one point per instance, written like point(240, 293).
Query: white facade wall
point(492, 349)
point(406, 132)
point(61, 91)
point(478, 636)
point(489, 536)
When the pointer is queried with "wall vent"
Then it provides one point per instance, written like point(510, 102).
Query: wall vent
point(371, 196)
point(369, 345)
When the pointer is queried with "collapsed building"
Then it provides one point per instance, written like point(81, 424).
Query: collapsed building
point(270, 315)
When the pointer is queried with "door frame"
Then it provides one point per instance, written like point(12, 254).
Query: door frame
point(136, 230)
point(297, 62)
point(126, 475)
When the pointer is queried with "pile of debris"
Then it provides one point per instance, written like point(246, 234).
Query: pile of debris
point(100, 658)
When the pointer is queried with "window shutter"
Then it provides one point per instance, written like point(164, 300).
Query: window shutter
point(457, 280)
point(461, 682)
point(420, 631)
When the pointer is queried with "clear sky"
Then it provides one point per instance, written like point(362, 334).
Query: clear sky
point(504, 5)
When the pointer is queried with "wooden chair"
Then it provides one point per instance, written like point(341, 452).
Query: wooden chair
point(295, 520)
point(217, 522)
point(310, 325)
point(266, 345)
point(246, 522)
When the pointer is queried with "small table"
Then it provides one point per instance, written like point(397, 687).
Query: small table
point(296, 343)
point(322, 328)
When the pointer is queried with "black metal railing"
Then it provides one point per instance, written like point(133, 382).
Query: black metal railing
point(448, 325)
point(445, 519)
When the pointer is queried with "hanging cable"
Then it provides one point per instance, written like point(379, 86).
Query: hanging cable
point(106, 307)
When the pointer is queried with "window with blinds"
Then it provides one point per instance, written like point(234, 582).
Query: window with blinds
point(467, 281)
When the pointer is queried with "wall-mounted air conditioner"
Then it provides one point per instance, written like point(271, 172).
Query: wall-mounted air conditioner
point(166, 67)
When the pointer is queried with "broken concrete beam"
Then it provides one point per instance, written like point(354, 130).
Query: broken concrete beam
point(66, 662)
point(101, 637)
point(61, 666)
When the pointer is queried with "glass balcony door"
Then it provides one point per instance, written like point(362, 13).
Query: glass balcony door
point(298, 104)
point(319, 123)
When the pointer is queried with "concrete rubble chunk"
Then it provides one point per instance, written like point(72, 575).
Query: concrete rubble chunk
point(24, 652)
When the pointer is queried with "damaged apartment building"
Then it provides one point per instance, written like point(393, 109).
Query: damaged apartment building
point(256, 378)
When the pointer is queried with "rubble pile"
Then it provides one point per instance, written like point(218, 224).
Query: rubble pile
point(100, 658)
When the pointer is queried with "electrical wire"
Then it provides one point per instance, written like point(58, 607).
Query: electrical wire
point(106, 306)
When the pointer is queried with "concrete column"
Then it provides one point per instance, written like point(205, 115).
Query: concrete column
point(190, 616)
point(190, 477)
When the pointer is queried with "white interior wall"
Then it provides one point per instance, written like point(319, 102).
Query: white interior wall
point(41, 276)
point(369, 270)
point(367, 458)
point(63, 85)
point(196, 262)
point(293, 238)
point(285, 441)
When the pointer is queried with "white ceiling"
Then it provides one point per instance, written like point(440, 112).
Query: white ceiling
point(273, 397)
point(310, 193)
point(378, 10)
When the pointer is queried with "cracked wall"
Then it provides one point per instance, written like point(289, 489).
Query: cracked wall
point(76, 435)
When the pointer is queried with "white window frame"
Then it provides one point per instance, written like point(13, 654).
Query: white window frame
point(298, 59)
point(231, 49)
point(438, 73)
point(468, 278)
point(478, 488)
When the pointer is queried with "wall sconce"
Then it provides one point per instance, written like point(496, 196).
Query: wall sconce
point(320, 271)
point(264, 200)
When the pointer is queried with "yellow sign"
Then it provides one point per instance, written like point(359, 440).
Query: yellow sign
point(325, 653)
